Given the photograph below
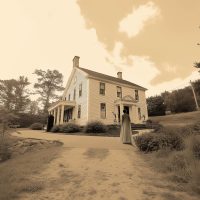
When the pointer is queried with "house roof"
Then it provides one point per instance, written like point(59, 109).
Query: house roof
point(111, 78)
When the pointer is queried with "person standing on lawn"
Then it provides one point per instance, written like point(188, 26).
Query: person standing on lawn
point(126, 132)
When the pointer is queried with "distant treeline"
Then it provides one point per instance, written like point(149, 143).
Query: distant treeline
point(177, 101)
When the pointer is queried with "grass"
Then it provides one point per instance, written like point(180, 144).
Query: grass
point(180, 166)
point(17, 173)
point(181, 119)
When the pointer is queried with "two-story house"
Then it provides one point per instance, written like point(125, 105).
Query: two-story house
point(91, 96)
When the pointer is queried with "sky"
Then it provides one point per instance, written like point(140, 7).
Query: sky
point(153, 43)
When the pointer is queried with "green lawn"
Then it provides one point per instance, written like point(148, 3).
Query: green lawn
point(181, 119)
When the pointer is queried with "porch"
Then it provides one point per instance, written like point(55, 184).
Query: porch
point(63, 111)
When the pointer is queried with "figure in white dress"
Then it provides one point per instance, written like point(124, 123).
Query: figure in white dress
point(126, 132)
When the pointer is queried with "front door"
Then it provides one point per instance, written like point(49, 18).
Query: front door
point(68, 114)
point(118, 107)
point(127, 109)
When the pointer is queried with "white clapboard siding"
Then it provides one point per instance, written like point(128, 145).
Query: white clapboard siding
point(83, 100)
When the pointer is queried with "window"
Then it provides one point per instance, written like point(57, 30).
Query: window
point(74, 94)
point(136, 95)
point(119, 91)
point(102, 89)
point(80, 90)
point(79, 111)
point(103, 110)
point(69, 97)
point(139, 113)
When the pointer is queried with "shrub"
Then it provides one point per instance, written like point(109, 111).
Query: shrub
point(55, 129)
point(69, 128)
point(25, 119)
point(36, 126)
point(195, 146)
point(147, 142)
point(95, 127)
point(155, 141)
point(170, 140)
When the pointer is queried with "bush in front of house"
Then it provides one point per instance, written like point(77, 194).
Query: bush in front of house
point(147, 142)
point(95, 127)
point(69, 128)
point(36, 126)
point(155, 141)
point(55, 129)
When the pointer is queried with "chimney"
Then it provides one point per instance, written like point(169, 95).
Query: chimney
point(119, 75)
point(76, 61)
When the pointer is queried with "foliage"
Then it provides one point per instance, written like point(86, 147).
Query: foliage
point(55, 129)
point(48, 83)
point(14, 94)
point(162, 140)
point(182, 100)
point(36, 126)
point(155, 106)
point(33, 108)
point(26, 119)
point(95, 127)
point(195, 147)
point(197, 65)
point(177, 101)
point(69, 128)
point(5, 118)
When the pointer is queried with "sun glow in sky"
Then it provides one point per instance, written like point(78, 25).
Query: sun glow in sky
point(152, 42)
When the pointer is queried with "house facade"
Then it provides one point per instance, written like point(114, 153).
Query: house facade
point(92, 96)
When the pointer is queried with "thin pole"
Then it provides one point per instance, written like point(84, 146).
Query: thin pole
point(195, 97)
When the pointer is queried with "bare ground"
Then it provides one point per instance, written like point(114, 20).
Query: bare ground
point(92, 167)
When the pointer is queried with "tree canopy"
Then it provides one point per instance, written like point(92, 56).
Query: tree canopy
point(14, 94)
point(48, 84)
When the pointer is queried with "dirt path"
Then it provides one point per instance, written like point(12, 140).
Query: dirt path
point(99, 168)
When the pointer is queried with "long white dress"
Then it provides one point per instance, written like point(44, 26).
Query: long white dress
point(126, 132)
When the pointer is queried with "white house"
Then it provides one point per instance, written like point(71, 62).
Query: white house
point(91, 96)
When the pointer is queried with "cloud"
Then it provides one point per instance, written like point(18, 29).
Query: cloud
point(175, 84)
point(134, 23)
point(137, 69)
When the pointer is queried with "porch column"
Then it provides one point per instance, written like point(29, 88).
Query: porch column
point(58, 116)
point(62, 114)
point(121, 111)
point(54, 114)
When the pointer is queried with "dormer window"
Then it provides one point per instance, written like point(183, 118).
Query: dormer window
point(102, 88)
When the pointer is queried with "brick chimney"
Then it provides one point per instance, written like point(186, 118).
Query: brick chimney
point(76, 61)
point(119, 75)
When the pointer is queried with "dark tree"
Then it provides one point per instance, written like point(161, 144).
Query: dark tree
point(14, 94)
point(48, 83)
point(197, 65)
point(156, 106)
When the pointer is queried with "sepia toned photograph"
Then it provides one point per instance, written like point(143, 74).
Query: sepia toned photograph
point(99, 100)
